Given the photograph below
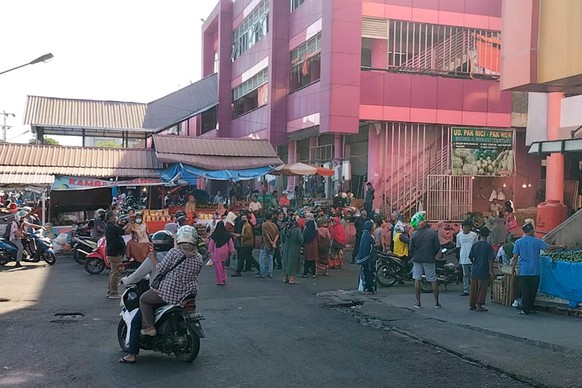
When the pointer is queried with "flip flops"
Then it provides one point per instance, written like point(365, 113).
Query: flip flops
point(123, 360)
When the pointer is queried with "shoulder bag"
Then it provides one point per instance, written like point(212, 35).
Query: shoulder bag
point(158, 279)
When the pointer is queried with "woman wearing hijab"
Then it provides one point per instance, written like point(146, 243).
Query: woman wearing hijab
point(292, 240)
point(310, 248)
point(229, 226)
point(365, 260)
point(338, 242)
point(498, 234)
point(323, 242)
point(220, 246)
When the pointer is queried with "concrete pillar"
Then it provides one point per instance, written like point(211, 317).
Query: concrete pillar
point(555, 162)
point(338, 154)
point(291, 158)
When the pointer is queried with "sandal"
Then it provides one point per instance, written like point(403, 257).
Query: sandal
point(123, 360)
point(295, 282)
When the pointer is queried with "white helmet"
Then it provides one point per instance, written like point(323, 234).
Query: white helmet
point(187, 234)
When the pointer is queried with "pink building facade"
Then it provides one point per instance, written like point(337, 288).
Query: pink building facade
point(376, 83)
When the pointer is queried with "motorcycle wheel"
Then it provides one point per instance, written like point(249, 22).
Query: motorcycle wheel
point(79, 257)
point(386, 275)
point(121, 333)
point(50, 258)
point(192, 347)
point(94, 265)
point(425, 286)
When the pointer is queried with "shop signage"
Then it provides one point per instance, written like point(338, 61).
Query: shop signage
point(77, 183)
point(482, 151)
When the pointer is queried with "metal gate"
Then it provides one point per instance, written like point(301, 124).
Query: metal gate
point(449, 197)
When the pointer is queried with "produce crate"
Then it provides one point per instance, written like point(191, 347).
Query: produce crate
point(501, 290)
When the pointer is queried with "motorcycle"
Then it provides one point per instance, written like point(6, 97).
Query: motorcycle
point(97, 260)
point(446, 270)
point(82, 246)
point(36, 247)
point(178, 326)
point(391, 269)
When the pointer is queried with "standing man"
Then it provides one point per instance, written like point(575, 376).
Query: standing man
point(255, 206)
point(359, 225)
point(465, 241)
point(270, 238)
point(115, 249)
point(424, 246)
point(526, 264)
point(482, 256)
point(369, 197)
point(247, 242)
point(274, 203)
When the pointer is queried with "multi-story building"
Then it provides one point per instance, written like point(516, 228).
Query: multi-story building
point(378, 83)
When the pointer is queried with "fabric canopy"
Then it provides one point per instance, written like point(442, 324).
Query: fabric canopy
point(180, 171)
point(298, 169)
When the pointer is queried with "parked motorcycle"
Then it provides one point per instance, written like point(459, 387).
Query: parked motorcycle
point(97, 260)
point(82, 246)
point(178, 327)
point(36, 247)
point(391, 269)
point(446, 270)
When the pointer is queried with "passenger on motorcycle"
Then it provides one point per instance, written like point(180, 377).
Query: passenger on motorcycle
point(162, 241)
point(98, 225)
point(180, 271)
point(401, 240)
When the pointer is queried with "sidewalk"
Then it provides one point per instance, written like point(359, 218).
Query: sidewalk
point(541, 349)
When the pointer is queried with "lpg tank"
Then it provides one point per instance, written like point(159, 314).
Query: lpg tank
point(549, 215)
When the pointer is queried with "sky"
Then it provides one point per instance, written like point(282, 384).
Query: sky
point(117, 50)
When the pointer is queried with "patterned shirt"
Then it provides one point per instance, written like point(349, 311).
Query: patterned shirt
point(183, 279)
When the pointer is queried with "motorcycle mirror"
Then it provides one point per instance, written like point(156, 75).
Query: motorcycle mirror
point(444, 250)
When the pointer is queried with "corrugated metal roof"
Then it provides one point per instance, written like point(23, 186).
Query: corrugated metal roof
point(10, 178)
point(180, 105)
point(216, 153)
point(78, 161)
point(67, 112)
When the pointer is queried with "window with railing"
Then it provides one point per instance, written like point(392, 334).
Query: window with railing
point(253, 28)
point(251, 94)
point(421, 48)
point(295, 4)
point(305, 63)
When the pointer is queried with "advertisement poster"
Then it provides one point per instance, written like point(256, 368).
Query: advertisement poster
point(482, 151)
point(77, 183)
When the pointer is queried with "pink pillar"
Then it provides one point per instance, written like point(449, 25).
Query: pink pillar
point(555, 162)
point(376, 163)
point(338, 154)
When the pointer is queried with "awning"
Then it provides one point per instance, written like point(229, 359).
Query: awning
point(189, 174)
point(299, 169)
point(556, 146)
point(216, 154)
point(20, 179)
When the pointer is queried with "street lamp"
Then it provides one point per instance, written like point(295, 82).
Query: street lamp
point(42, 58)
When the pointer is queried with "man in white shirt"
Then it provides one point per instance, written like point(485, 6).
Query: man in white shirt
point(465, 240)
point(255, 206)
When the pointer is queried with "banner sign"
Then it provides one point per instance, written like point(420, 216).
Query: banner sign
point(75, 183)
point(482, 151)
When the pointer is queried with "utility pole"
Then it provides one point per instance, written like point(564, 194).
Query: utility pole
point(6, 127)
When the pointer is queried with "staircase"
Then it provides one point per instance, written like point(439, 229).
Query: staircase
point(407, 186)
point(449, 55)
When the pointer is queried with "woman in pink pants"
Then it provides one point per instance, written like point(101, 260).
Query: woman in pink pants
point(220, 247)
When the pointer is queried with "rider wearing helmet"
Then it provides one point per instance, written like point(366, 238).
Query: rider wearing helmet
point(180, 270)
point(98, 224)
point(424, 246)
point(162, 242)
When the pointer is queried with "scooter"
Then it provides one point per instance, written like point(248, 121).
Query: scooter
point(446, 270)
point(82, 246)
point(391, 269)
point(36, 247)
point(178, 326)
point(97, 260)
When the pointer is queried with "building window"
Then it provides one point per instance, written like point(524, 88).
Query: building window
point(295, 4)
point(305, 63)
point(253, 28)
point(216, 61)
point(421, 48)
point(251, 94)
point(209, 120)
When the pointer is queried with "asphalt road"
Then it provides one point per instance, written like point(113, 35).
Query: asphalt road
point(260, 333)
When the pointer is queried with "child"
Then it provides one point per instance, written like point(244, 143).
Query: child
point(482, 256)
point(465, 241)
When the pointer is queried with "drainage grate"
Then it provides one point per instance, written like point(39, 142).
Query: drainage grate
point(66, 318)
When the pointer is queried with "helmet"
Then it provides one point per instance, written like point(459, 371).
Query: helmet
point(21, 214)
point(399, 227)
point(181, 220)
point(163, 241)
point(27, 209)
point(418, 220)
point(180, 213)
point(187, 234)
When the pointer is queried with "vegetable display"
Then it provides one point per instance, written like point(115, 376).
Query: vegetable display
point(486, 162)
point(574, 256)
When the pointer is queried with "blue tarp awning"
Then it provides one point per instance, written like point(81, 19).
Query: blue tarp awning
point(188, 173)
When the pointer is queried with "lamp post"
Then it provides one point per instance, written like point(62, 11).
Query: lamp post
point(42, 58)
